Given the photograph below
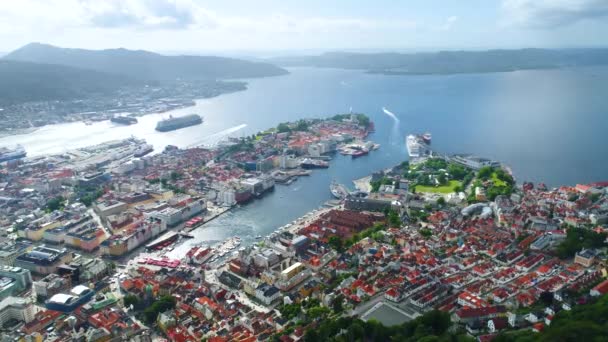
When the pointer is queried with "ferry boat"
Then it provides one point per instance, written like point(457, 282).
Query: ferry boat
point(308, 163)
point(124, 120)
point(359, 153)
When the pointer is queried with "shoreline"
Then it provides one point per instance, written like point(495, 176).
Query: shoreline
point(192, 103)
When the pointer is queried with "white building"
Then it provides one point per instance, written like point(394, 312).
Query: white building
point(314, 150)
point(226, 197)
point(16, 308)
point(288, 162)
point(267, 293)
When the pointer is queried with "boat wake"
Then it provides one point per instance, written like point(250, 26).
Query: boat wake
point(394, 135)
point(215, 138)
point(390, 114)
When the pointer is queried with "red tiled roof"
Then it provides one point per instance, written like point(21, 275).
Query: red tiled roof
point(480, 312)
point(602, 287)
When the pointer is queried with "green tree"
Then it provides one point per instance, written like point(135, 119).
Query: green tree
point(363, 120)
point(317, 312)
point(55, 203)
point(175, 175)
point(435, 164)
point(393, 218)
point(161, 305)
point(579, 238)
point(283, 128)
point(427, 233)
point(485, 172)
point(88, 198)
point(457, 171)
point(131, 300)
point(336, 243)
point(302, 125)
point(337, 304)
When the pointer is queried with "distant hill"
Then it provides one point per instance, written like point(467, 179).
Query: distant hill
point(145, 65)
point(24, 81)
point(451, 62)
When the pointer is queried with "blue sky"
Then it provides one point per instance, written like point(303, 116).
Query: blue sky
point(281, 25)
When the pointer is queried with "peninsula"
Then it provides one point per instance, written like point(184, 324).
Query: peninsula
point(444, 246)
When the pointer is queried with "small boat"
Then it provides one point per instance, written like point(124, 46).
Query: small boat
point(359, 153)
point(258, 237)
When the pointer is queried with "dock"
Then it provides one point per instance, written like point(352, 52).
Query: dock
point(362, 184)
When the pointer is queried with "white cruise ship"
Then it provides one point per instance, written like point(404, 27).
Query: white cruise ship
point(418, 145)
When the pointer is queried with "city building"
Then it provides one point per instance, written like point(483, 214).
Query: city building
point(267, 293)
point(586, 257)
point(14, 280)
point(16, 308)
point(77, 297)
point(43, 259)
point(50, 286)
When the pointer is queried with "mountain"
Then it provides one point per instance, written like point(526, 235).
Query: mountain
point(24, 81)
point(451, 62)
point(145, 65)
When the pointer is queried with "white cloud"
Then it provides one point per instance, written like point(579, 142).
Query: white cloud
point(154, 14)
point(160, 24)
point(169, 14)
point(551, 13)
point(449, 23)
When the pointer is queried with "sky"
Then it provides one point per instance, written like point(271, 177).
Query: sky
point(298, 25)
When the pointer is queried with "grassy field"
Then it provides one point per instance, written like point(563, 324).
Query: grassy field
point(497, 181)
point(444, 189)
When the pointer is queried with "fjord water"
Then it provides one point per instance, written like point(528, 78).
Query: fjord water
point(547, 125)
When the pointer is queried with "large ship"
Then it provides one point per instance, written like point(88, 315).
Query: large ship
point(124, 120)
point(339, 191)
point(418, 145)
point(7, 154)
point(309, 163)
point(172, 123)
point(143, 150)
